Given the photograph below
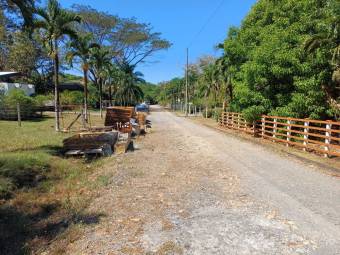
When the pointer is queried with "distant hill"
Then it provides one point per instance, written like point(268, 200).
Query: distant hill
point(70, 78)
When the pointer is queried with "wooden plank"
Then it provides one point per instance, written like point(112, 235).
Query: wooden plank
point(90, 140)
point(302, 126)
point(119, 118)
point(322, 151)
point(303, 133)
point(304, 120)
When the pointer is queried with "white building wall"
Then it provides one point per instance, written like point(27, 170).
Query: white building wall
point(27, 88)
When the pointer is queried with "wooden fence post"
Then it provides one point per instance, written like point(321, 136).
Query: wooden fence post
point(222, 119)
point(328, 138)
point(19, 114)
point(83, 118)
point(263, 126)
point(288, 132)
point(305, 135)
point(274, 129)
point(232, 120)
point(238, 121)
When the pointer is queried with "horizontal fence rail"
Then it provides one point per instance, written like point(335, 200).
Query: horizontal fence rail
point(23, 111)
point(318, 136)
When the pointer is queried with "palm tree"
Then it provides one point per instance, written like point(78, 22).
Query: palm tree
point(208, 84)
point(225, 74)
point(81, 49)
point(55, 22)
point(114, 74)
point(129, 93)
point(100, 61)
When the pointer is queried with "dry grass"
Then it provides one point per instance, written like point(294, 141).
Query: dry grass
point(43, 194)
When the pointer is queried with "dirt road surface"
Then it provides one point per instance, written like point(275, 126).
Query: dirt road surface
point(189, 189)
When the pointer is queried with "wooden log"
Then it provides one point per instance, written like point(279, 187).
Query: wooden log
point(90, 140)
point(123, 143)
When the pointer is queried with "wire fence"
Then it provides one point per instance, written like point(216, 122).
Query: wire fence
point(22, 111)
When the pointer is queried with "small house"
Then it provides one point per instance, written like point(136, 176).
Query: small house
point(6, 85)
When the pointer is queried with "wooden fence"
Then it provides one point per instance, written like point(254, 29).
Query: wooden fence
point(318, 136)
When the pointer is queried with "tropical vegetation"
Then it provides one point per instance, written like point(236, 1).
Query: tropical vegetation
point(43, 42)
point(282, 60)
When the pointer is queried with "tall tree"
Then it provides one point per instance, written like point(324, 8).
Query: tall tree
point(25, 7)
point(114, 74)
point(55, 23)
point(329, 38)
point(100, 60)
point(22, 55)
point(209, 84)
point(129, 93)
point(81, 49)
point(100, 25)
point(135, 42)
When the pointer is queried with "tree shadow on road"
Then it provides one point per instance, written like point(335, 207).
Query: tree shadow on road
point(21, 231)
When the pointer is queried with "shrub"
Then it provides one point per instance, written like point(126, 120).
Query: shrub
point(207, 114)
point(71, 97)
point(217, 113)
point(21, 169)
point(6, 187)
point(8, 105)
point(40, 100)
point(17, 96)
point(253, 113)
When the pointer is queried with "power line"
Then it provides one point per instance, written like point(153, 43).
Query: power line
point(212, 15)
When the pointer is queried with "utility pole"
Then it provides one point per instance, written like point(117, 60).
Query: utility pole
point(186, 84)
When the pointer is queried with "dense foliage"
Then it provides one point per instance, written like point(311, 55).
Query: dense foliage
point(41, 40)
point(283, 60)
point(151, 92)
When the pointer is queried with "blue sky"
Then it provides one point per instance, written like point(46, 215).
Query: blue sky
point(179, 21)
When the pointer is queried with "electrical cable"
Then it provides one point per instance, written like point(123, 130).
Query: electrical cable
point(207, 22)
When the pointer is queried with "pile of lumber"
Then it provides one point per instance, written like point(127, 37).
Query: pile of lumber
point(115, 136)
point(91, 143)
point(119, 118)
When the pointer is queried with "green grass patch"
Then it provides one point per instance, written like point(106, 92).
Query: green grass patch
point(40, 189)
point(26, 154)
point(19, 170)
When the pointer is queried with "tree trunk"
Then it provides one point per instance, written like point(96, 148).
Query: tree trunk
point(115, 89)
point(110, 95)
point(56, 87)
point(206, 106)
point(101, 98)
point(85, 94)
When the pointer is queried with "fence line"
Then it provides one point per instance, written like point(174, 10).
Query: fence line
point(310, 135)
point(20, 112)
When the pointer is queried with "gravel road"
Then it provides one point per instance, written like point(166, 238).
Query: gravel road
point(189, 189)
